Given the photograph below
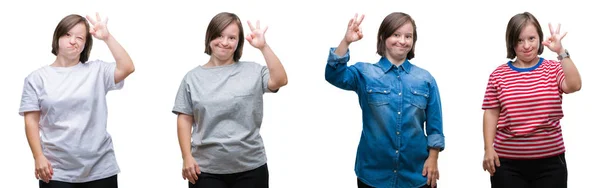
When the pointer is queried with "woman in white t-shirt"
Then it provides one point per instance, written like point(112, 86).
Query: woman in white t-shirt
point(64, 105)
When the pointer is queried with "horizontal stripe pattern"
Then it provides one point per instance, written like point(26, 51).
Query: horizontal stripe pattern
point(530, 110)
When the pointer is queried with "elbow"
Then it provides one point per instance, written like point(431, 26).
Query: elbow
point(577, 87)
point(131, 69)
point(281, 82)
point(572, 88)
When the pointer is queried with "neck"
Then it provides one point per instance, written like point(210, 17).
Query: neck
point(215, 62)
point(396, 61)
point(526, 64)
point(62, 61)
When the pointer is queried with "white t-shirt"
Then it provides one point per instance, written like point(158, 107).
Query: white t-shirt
point(73, 115)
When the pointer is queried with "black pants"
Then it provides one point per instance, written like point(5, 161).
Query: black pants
point(110, 182)
point(363, 185)
point(257, 178)
point(548, 172)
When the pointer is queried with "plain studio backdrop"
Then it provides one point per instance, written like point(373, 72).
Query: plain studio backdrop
point(310, 129)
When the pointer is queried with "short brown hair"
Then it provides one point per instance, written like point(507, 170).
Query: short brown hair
point(64, 26)
point(389, 25)
point(216, 27)
point(516, 24)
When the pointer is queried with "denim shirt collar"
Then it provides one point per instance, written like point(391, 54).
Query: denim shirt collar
point(386, 65)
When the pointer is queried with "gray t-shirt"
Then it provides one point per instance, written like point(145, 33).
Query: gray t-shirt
point(73, 115)
point(227, 105)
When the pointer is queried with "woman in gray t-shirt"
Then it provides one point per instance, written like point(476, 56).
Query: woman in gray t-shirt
point(220, 108)
point(64, 106)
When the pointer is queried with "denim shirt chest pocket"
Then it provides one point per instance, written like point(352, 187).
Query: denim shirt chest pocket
point(418, 96)
point(378, 96)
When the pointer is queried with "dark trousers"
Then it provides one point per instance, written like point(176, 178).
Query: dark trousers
point(257, 178)
point(363, 185)
point(548, 172)
point(110, 182)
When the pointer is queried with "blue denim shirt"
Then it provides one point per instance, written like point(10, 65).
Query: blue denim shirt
point(402, 118)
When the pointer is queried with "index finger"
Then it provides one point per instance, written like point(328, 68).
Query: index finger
point(250, 25)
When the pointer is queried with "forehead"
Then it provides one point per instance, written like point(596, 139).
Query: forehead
point(78, 29)
point(231, 29)
point(405, 28)
point(528, 30)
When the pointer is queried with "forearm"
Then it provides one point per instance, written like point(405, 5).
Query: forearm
point(434, 153)
point(342, 48)
point(490, 121)
point(572, 77)
point(122, 58)
point(32, 131)
point(277, 73)
point(184, 135)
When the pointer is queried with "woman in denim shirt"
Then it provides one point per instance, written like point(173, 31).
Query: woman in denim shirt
point(397, 98)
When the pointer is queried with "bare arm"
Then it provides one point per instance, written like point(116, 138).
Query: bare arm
point(32, 131)
point(572, 82)
point(124, 63)
point(277, 74)
point(490, 120)
point(43, 168)
point(184, 134)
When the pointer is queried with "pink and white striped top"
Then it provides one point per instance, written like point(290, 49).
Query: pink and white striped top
point(530, 102)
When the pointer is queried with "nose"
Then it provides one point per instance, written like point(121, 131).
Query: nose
point(72, 40)
point(402, 41)
point(528, 44)
point(223, 41)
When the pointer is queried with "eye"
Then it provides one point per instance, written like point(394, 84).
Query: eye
point(409, 36)
point(232, 38)
point(531, 38)
point(68, 34)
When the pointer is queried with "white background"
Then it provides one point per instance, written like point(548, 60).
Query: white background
point(311, 129)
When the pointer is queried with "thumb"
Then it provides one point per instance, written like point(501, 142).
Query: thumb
point(197, 168)
point(50, 168)
point(424, 171)
point(497, 159)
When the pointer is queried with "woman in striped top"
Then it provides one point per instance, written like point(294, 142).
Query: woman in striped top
point(521, 123)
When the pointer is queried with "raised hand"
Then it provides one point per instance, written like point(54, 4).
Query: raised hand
point(98, 29)
point(554, 41)
point(256, 37)
point(354, 32)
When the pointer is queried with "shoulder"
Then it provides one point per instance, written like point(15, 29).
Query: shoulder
point(97, 63)
point(422, 73)
point(550, 64)
point(36, 75)
point(501, 69)
point(250, 64)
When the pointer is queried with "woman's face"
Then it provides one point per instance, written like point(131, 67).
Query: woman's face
point(72, 43)
point(224, 46)
point(400, 42)
point(528, 44)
